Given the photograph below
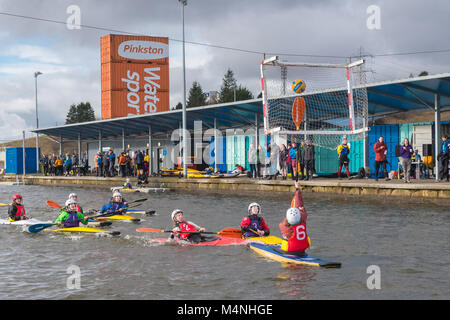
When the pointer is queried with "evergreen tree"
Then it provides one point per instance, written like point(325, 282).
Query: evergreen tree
point(196, 96)
point(179, 106)
point(81, 112)
point(226, 93)
point(242, 93)
point(230, 91)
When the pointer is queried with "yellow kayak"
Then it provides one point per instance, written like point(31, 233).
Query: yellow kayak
point(83, 230)
point(121, 217)
point(266, 240)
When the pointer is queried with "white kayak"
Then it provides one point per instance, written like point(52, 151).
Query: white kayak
point(27, 222)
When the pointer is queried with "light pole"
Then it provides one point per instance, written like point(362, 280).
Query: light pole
point(183, 4)
point(36, 74)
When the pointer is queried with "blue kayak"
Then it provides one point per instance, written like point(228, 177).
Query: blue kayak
point(274, 252)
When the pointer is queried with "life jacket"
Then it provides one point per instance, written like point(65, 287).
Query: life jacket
point(186, 226)
point(115, 206)
point(20, 210)
point(298, 241)
point(345, 150)
point(19, 213)
point(255, 223)
point(72, 221)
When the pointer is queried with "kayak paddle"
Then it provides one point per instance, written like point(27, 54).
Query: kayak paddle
point(53, 204)
point(228, 232)
point(39, 227)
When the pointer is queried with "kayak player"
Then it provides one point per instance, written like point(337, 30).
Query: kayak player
point(254, 225)
point(16, 210)
point(70, 217)
point(127, 184)
point(293, 227)
point(74, 196)
point(116, 205)
point(181, 228)
point(117, 190)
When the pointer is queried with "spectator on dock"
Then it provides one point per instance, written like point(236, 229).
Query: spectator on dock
point(105, 157)
point(84, 164)
point(343, 151)
point(308, 159)
point(67, 165)
point(293, 154)
point(122, 163)
point(112, 163)
point(129, 165)
point(443, 158)
point(406, 152)
point(261, 159)
point(98, 164)
point(45, 164)
point(274, 155)
point(59, 166)
point(146, 163)
point(252, 160)
point(380, 148)
point(283, 161)
point(301, 161)
point(51, 165)
point(139, 160)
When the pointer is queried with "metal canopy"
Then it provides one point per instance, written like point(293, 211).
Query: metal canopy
point(229, 115)
point(384, 98)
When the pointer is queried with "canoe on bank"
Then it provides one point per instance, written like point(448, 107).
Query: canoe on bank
point(274, 252)
point(213, 241)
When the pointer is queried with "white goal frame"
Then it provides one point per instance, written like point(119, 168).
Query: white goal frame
point(274, 61)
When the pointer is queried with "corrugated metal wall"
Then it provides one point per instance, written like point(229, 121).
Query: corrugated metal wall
point(390, 133)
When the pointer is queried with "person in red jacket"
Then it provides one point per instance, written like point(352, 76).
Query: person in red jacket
point(380, 149)
point(293, 227)
point(185, 230)
point(254, 225)
point(16, 210)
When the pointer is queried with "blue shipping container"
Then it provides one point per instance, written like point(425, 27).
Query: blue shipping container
point(14, 160)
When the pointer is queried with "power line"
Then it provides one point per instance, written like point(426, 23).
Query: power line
point(226, 47)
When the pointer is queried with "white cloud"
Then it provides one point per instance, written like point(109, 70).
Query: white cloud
point(12, 125)
point(33, 53)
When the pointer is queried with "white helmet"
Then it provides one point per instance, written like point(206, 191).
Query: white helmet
point(117, 194)
point(253, 204)
point(293, 216)
point(174, 212)
point(73, 195)
point(70, 201)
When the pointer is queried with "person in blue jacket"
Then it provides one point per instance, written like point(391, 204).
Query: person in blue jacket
point(293, 155)
point(116, 205)
point(68, 164)
point(443, 158)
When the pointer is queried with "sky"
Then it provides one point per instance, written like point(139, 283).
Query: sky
point(391, 34)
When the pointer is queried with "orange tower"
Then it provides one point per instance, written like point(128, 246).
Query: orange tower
point(135, 75)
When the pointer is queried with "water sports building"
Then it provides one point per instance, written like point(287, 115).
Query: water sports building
point(413, 108)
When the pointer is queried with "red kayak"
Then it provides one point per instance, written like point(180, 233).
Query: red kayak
point(210, 241)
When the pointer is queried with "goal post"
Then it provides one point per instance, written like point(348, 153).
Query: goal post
point(334, 102)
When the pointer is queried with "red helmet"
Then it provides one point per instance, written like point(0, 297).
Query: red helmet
point(17, 196)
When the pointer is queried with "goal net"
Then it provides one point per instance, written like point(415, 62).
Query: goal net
point(333, 104)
